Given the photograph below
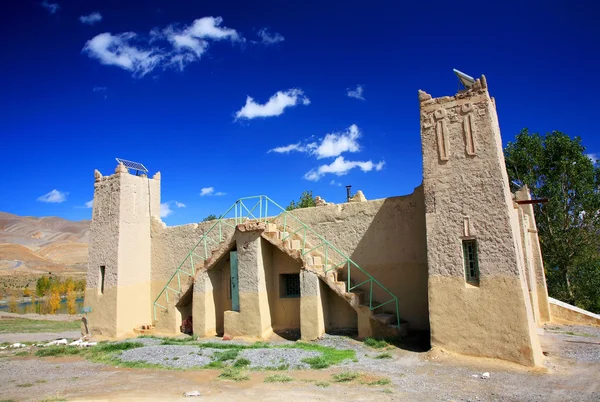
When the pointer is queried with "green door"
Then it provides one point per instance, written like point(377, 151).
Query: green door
point(235, 295)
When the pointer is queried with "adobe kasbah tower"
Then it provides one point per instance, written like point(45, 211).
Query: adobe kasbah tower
point(457, 260)
point(119, 263)
point(479, 302)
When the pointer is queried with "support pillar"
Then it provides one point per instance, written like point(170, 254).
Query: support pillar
point(312, 322)
point(203, 306)
point(254, 317)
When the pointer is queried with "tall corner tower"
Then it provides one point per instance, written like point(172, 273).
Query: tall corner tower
point(119, 264)
point(478, 298)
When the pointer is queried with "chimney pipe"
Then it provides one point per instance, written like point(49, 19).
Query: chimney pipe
point(348, 193)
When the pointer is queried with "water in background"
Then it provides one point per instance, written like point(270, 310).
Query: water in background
point(29, 307)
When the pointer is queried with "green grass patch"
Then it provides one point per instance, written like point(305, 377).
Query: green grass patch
point(234, 374)
point(387, 391)
point(58, 351)
point(316, 363)
point(278, 378)
point(22, 353)
point(215, 365)
point(385, 355)
point(281, 367)
point(21, 325)
point(241, 362)
point(329, 356)
point(230, 354)
point(376, 343)
point(25, 385)
point(345, 376)
point(56, 398)
point(323, 384)
point(379, 381)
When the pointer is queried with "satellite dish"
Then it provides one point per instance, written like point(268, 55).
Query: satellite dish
point(464, 79)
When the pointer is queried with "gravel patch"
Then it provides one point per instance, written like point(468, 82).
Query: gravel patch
point(170, 355)
point(274, 358)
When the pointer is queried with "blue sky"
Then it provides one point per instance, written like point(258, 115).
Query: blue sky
point(203, 91)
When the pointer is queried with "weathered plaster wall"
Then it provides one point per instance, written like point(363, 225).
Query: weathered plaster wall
point(211, 298)
point(171, 244)
point(254, 317)
point(338, 314)
point(134, 303)
point(385, 237)
point(285, 312)
point(564, 313)
point(311, 306)
point(104, 243)
point(120, 241)
point(537, 263)
point(467, 197)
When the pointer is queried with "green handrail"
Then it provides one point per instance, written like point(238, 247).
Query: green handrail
point(241, 213)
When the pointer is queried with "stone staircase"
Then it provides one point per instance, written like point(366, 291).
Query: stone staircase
point(381, 324)
point(372, 322)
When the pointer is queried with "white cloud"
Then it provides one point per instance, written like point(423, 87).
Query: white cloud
point(165, 207)
point(335, 144)
point(207, 191)
point(593, 157)
point(165, 210)
point(171, 47)
point(89, 204)
point(340, 167)
point(356, 93)
point(54, 196)
point(298, 147)
point(335, 183)
point(274, 106)
point(51, 7)
point(332, 145)
point(268, 38)
point(99, 89)
point(91, 19)
point(118, 50)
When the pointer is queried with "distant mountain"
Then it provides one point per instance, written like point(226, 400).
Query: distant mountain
point(30, 245)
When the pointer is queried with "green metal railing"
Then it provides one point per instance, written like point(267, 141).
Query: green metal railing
point(291, 226)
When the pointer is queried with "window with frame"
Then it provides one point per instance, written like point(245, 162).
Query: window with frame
point(471, 261)
point(290, 285)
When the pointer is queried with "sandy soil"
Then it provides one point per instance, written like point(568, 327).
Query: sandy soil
point(570, 374)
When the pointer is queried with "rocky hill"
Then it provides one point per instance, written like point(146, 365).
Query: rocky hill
point(30, 247)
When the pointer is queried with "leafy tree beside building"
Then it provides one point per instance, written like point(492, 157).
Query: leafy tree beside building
point(556, 166)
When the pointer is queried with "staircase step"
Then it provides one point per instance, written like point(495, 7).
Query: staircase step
point(341, 285)
point(282, 235)
point(271, 228)
point(296, 245)
point(360, 295)
point(385, 318)
point(332, 275)
point(313, 260)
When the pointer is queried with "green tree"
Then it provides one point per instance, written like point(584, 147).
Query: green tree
point(555, 166)
point(42, 286)
point(306, 200)
point(210, 217)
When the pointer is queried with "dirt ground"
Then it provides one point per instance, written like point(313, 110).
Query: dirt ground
point(571, 373)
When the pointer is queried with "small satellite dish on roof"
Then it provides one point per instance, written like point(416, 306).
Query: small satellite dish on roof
point(464, 79)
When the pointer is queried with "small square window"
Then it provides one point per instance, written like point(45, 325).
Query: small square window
point(290, 285)
point(471, 261)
